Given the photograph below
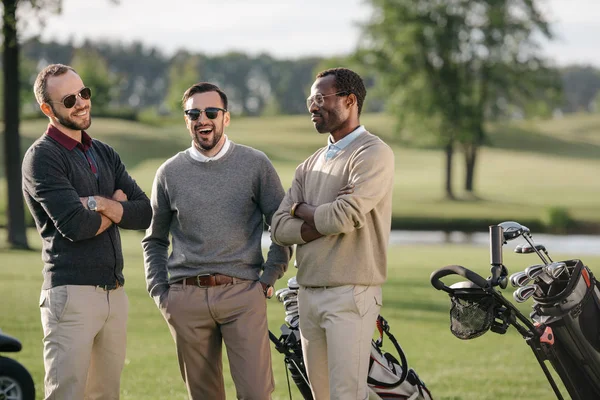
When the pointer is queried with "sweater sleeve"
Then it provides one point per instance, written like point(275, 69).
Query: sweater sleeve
point(286, 230)
point(371, 169)
point(45, 180)
point(270, 196)
point(136, 210)
point(156, 242)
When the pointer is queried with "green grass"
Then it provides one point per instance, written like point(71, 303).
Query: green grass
point(490, 367)
point(528, 168)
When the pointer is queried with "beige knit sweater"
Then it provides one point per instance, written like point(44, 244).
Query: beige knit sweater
point(356, 226)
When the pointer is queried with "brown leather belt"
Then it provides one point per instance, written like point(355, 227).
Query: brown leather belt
point(208, 280)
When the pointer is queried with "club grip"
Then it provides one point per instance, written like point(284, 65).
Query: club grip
point(496, 241)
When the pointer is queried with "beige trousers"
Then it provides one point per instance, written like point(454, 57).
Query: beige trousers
point(201, 319)
point(336, 326)
point(85, 335)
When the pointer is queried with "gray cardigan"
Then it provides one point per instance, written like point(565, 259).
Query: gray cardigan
point(54, 178)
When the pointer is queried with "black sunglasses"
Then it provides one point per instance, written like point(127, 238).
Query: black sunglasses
point(70, 100)
point(211, 113)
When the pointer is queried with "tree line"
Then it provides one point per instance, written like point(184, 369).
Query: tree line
point(130, 78)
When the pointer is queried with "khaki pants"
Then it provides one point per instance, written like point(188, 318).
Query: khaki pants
point(336, 327)
point(201, 318)
point(85, 334)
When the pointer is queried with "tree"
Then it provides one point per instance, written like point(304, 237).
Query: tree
point(93, 70)
point(450, 65)
point(184, 72)
point(582, 83)
point(12, 107)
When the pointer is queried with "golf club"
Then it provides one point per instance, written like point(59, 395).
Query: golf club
point(511, 230)
point(539, 272)
point(525, 292)
point(556, 269)
point(519, 279)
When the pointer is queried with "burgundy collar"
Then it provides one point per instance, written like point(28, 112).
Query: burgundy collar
point(68, 142)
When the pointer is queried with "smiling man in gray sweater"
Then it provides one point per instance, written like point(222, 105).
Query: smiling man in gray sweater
point(213, 200)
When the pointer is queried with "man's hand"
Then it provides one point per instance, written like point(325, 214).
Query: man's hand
point(306, 212)
point(119, 195)
point(84, 201)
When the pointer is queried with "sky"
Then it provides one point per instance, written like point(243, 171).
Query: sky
point(281, 28)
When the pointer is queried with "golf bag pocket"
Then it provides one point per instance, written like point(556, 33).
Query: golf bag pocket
point(391, 379)
point(384, 369)
point(471, 315)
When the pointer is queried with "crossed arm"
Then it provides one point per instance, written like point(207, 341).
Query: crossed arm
point(306, 212)
point(110, 210)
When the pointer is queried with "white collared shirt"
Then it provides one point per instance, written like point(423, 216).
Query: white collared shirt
point(335, 147)
point(198, 156)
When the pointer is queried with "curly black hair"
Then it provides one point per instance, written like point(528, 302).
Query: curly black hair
point(347, 81)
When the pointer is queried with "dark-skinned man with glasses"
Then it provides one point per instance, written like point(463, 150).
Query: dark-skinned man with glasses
point(338, 213)
point(210, 203)
point(80, 194)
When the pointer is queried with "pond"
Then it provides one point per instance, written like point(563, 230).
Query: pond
point(578, 245)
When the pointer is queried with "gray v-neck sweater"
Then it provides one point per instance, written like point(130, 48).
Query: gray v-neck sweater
point(214, 213)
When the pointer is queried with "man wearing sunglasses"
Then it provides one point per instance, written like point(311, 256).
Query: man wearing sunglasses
point(338, 211)
point(80, 194)
point(212, 200)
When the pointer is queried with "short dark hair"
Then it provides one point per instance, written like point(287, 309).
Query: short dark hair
point(204, 87)
point(40, 87)
point(347, 81)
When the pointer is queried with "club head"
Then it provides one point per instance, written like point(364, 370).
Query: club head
point(519, 248)
point(293, 283)
point(519, 279)
point(534, 270)
point(523, 293)
point(285, 294)
point(293, 320)
point(291, 309)
point(291, 302)
point(511, 230)
point(527, 248)
point(556, 269)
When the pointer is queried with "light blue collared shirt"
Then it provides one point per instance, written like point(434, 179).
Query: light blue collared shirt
point(334, 148)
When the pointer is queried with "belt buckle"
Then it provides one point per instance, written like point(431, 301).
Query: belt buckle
point(198, 277)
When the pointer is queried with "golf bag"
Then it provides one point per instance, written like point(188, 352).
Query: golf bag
point(564, 328)
point(569, 315)
point(476, 308)
point(388, 378)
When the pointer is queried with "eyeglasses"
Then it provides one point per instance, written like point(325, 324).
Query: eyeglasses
point(69, 100)
point(211, 113)
point(319, 99)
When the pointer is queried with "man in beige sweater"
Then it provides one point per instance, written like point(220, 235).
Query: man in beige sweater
point(338, 211)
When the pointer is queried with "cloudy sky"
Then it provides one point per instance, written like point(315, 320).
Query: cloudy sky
point(282, 28)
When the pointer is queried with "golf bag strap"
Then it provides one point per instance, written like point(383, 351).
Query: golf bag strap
point(383, 326)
